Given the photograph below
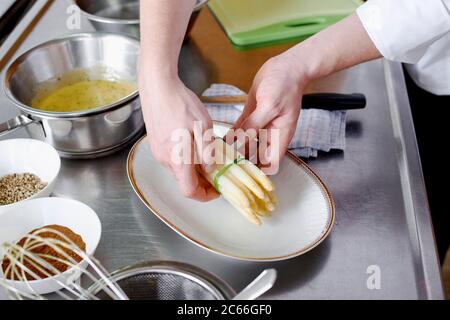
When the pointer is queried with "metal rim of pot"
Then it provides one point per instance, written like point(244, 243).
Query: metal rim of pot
point(96, 18)
point(84, 144)
point(64, 115)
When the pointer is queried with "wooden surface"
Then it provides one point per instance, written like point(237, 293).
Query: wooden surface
point(225, 63)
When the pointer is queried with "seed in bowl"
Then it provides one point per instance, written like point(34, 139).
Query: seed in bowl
point(17, 187)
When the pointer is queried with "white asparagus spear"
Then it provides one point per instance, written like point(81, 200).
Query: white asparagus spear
point(226, 186)
point(262, 209)
point(235, 196)
point(249, 167)
point(240, 185)
point(269, 206)
point(273, 198)
point(239, 172)
point(249, 191)
point(258, 175)
point(247, 212)
point(248, 181)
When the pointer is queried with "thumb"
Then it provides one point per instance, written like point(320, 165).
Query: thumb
point(250, 106)
point(187, 180)
point(204, 145)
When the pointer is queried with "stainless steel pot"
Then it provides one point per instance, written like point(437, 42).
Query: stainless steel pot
point(120, 16)
point(84, 134)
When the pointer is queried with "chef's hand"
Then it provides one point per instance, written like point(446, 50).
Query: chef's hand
point(168, 108)
point(274, 103)
point(275, 98)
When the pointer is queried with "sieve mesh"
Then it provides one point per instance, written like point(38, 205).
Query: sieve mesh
point(163, 286)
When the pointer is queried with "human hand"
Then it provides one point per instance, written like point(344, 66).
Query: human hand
point(274, 103)
point(169, 107)
point(275, 99)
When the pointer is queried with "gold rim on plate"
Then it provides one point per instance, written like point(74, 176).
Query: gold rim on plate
point(326, 232)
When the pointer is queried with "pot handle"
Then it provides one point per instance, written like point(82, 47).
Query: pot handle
point(14, 124)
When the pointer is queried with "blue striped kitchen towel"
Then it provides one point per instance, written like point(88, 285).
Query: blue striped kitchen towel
point(317, 130)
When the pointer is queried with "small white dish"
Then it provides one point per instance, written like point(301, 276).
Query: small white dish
point(303, 219)
point(30, 156)
point(38, 213)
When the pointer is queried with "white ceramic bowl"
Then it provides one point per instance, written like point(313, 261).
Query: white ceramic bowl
point(38, 213)
point(29, 156)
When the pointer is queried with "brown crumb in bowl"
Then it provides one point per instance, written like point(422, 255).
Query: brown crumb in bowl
point(44, 249)
point(17, 187)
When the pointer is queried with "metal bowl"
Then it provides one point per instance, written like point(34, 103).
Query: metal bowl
point(120, 16)
point(78, 134)
point(166, 280)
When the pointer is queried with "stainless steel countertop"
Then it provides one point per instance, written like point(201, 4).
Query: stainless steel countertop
point(382, 211)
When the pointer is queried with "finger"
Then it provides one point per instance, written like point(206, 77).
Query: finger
point(159, 157)
point(260, 117)
point(204, 138)
point(192, 185)
point(278, 146)
point(250, 106)
point(187, 180)
point(252, 126)
point(263, 113)
point(210, 192)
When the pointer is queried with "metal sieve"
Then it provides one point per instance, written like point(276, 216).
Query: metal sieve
point(167, 281)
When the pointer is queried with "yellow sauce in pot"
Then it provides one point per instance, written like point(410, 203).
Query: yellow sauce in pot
point(83, 95)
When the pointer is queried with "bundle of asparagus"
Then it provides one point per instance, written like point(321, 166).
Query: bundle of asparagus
point(242, 184)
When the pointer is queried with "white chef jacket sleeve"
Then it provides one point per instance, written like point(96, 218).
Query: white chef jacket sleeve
point(402, 30)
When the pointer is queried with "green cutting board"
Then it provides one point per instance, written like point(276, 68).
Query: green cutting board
point(255, 23)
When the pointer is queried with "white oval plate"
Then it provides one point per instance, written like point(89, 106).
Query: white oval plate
point(303, 219)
